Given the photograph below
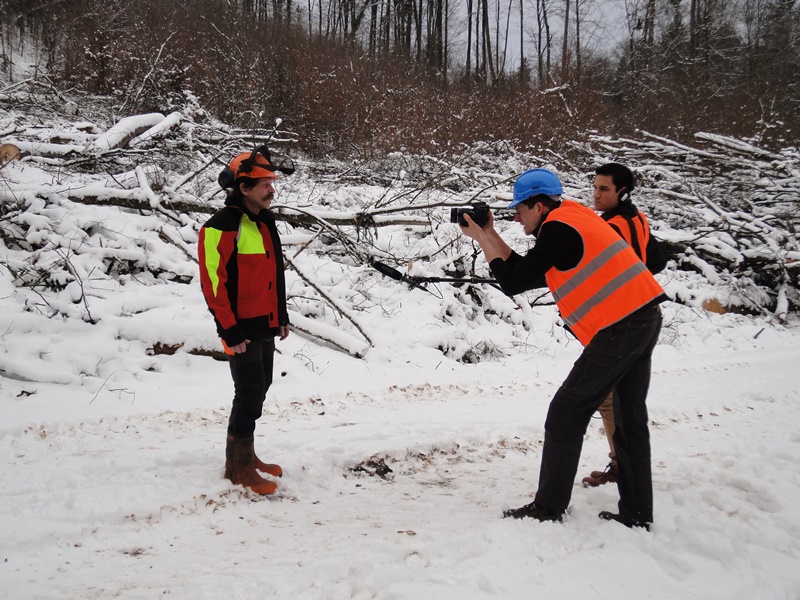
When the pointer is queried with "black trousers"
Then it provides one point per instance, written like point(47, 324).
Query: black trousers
point(252, 376)
point(618, 358)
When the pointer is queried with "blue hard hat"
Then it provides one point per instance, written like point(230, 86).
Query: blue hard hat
point(534, 182)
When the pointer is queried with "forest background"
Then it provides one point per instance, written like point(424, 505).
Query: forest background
point(424, 101)
point(364, 76)
point(406, 416)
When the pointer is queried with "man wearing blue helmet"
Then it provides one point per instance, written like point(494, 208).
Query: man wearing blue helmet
point(609, 300)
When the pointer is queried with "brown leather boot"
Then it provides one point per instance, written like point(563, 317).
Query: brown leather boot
point(240, 468)
point(609, 475)
point(268, 468)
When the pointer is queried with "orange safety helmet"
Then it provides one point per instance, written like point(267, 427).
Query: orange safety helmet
point(247, 165)
point(257, 164)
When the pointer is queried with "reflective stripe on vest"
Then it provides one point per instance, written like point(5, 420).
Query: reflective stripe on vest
point(609, 282)
point(608, 288)
point(249, 240)
point(211, 239)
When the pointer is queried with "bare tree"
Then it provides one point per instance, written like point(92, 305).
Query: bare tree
point(486, 54)
point(469, 39)
point(522, 61)
point(565, 46)
point(543, 40)
point(578, 53)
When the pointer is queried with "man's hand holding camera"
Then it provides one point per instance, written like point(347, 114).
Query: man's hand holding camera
point(475, 231)
point(474, 219)
point(490, 241)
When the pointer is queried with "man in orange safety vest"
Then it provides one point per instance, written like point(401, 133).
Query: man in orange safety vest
point(609, 300)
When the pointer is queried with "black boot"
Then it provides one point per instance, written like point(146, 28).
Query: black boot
point(609, 516)
point(533, 511)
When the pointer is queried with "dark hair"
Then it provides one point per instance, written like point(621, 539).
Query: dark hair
point(545, 200)
point(620, 175)
point(234, 194)
point(249, 182)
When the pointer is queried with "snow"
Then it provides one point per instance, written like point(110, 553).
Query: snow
point(127, 128)
point(112, 481)
point(113, 484)
point(171, 120)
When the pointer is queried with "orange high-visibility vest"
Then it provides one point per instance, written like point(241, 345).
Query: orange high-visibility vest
point(641, 230)
point(608, 284)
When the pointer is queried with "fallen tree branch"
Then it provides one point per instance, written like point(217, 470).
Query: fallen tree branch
point(328, 334)
point(332, 301)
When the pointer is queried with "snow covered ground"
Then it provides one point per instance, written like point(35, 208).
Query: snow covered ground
point(116, 490)
point(398, 465)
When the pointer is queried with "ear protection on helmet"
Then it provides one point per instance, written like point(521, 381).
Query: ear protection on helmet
point(226, 178)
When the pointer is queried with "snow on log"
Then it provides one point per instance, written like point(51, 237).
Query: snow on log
point(151, 196)
point(171, 120)
point(329, 334)
point(734, 144)
point(46, 149)
point(126, 129)
point(332, 301)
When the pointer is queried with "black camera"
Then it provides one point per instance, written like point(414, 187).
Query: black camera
point(479, 212)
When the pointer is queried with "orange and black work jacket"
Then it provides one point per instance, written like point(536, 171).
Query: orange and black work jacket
point(241, 274)
point(593, 274)
point(632, 225)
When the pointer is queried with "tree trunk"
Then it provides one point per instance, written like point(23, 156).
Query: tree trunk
point(565, 48)
point(521, 38)
point(487, 35)
point(577, 41)
point(543, 44)
point(469, 38)
point(650, 23)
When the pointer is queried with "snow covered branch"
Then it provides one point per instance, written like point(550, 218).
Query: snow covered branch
point(726, 209)
point(88, 208)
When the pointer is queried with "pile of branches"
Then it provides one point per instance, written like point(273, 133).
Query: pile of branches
point(725, 208)
point(163, 168)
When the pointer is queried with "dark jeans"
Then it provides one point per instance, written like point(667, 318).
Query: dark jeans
point(252, 375)
point(617, 358)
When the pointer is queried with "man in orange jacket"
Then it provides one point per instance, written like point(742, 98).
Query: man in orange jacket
point(241, 275)
point(609, 300)
point(613, 185)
